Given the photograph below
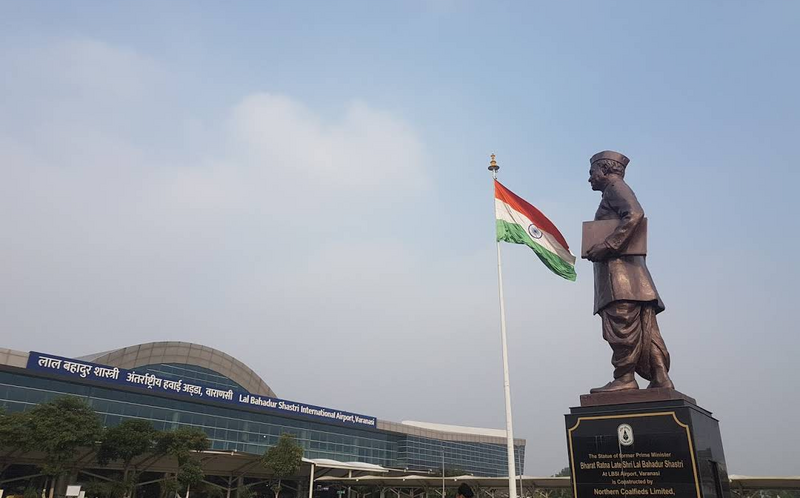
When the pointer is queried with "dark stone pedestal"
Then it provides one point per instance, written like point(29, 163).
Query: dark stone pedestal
point(645, 443)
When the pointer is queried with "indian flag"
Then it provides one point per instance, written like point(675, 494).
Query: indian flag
point(520, 223)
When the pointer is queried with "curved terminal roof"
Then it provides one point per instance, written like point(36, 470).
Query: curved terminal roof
point(186, 353)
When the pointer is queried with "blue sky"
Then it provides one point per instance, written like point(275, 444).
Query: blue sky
point(311, 178)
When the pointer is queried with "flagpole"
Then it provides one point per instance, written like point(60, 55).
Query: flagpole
point(512, 483)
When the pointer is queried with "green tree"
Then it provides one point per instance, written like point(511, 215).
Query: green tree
point(562, 493)
point(190, 474)
point(105, 489)
point(168, 488)
point(284, 460)
point(58, 428)
point(130, 439)
point(182, 444)
point(14, 431)
point(30, 492)
point(207, 490)
point(243, 491)
point(449, 472)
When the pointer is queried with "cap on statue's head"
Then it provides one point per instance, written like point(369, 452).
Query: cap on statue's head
point(610, 154)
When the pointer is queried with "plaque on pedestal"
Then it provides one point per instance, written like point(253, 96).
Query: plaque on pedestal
point(653, 442)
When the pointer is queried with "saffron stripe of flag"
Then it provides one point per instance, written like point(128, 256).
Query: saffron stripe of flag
point(518, 222)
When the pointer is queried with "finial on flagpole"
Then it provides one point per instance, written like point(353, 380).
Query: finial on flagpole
point(493, 167)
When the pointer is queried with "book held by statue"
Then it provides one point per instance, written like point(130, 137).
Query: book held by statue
point(595, 232)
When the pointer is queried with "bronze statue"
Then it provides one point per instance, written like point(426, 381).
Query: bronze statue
point(625, 296)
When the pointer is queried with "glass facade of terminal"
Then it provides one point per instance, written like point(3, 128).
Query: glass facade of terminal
point(248, 431)
point(416, 452)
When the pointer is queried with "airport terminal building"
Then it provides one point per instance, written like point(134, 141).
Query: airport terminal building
point(173, 384)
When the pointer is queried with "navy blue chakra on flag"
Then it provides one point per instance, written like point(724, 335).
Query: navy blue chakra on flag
point(535, 232)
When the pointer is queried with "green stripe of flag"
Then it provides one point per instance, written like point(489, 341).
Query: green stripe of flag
point(515, 234)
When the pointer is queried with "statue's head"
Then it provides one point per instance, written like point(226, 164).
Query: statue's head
point(604, 166)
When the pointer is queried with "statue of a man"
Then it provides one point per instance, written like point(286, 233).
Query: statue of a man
point(625, 296)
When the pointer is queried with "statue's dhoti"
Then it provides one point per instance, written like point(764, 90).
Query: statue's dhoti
point(631, 329)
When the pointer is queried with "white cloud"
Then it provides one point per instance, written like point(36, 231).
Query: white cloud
point(365, 148)
point(84, 67)
point(106, 213)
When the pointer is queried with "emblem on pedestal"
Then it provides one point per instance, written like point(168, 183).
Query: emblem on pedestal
point(625, 435)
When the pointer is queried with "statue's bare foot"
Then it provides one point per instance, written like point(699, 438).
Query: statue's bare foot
point(624, 383)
